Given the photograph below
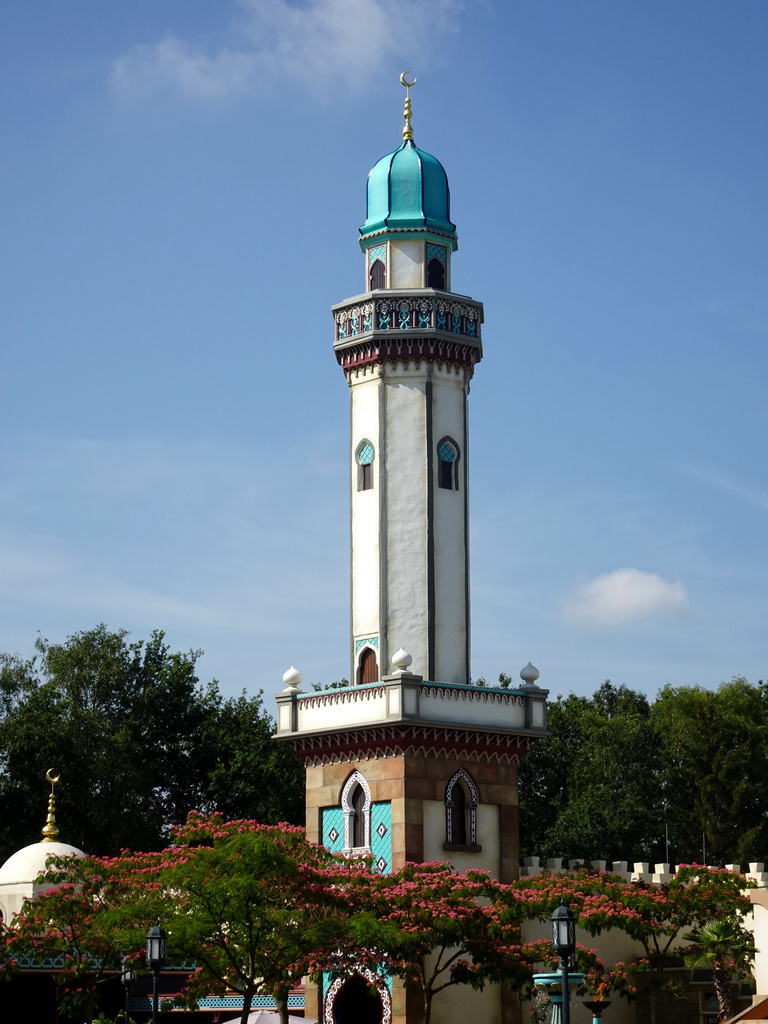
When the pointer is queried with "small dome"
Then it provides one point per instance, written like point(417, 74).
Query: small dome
point(408, 191)
point(26, 864)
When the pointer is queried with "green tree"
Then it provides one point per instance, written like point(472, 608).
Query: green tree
point(138, 740)
point(435, 928)
point(255, 907)
point(591, 789)
point(724, 946)
point(713, 759)
point(655, 916)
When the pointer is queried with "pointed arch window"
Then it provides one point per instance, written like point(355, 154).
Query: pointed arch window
point(365, 456)
point(448, 464)
point(377, 267)
point(377, 276)
point(436, 265)
point(356, 807)
point(461, 814)
point(368, 667)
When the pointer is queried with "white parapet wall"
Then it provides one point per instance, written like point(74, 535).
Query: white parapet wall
point(407, 699)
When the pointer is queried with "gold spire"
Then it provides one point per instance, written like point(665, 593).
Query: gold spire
point(407, 130)
point(51, 829)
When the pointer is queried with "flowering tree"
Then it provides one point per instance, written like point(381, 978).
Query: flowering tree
point(71, 923)
point(655, 916)
point(255, 907)
point(434, 928)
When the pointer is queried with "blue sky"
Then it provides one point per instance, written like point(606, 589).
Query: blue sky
point(181, 185)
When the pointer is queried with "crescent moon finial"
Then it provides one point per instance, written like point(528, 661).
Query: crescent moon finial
point(50, 829)
point(407, 130)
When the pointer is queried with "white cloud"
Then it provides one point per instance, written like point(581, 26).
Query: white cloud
point(624, 596)
point(312, 43)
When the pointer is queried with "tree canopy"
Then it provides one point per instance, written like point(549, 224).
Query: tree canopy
point(138, 741)
point(682, 778)
point(257, 908)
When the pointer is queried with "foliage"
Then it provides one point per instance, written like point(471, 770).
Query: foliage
point(655, 916)
point(713, 747)
point(434, 928)
point(681, 778)
point(725, 947)
point(138, 740)
point(256, 907)
point(591, 789)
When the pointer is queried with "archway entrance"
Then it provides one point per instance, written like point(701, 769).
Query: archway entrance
point(357, 1003)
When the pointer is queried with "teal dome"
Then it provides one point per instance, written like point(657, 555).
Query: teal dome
point(408, 191)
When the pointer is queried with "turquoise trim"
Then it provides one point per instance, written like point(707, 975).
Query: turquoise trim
point(381, 836)
point(333, 829)
point(219, 1002)
point(408, 191)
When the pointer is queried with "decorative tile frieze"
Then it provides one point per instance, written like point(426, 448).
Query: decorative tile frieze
point(392, 312)
point(371, 641)
point(384, 742)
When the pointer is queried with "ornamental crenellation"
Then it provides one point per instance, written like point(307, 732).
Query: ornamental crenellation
point(640, 871)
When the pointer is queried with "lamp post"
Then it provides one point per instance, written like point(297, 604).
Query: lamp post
point(564, 943)
point(126, 976)
point(157, 939)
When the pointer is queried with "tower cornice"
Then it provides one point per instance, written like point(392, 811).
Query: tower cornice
point(409, 324)
point(407, 715)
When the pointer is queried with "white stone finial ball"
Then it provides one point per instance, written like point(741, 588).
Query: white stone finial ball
point(529, 674)
point(402, 660)
point(292, 678)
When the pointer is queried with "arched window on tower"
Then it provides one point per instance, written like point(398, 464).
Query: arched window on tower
point(368, 667)
point(448, 465)
point(436, 263)
point(377, 275)
point(436, 275)
point(358, 817)
point(356, 807)
point(365, 466)
point(461, 813)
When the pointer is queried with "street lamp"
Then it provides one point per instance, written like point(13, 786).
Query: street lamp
point(126, 976)
point(564, 942)
point(157, 939)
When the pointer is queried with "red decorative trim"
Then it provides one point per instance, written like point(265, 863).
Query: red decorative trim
point(406, 350)
point(408, 231)
point(396, 741)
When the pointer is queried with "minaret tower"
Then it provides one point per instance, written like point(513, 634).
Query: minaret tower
point(408, 346)
point(409, 761)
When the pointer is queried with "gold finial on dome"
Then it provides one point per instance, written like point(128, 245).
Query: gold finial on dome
point(51, 829)
point(407, 130)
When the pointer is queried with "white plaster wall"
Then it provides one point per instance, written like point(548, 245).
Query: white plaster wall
point(365, 392)
point(390, 584)
point(404, 461)
point(473, 708)
point(406, 263)
point(364, 705)
point(451, 612)
point(460, 1003)
point(759, 925)
point(489, 859)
